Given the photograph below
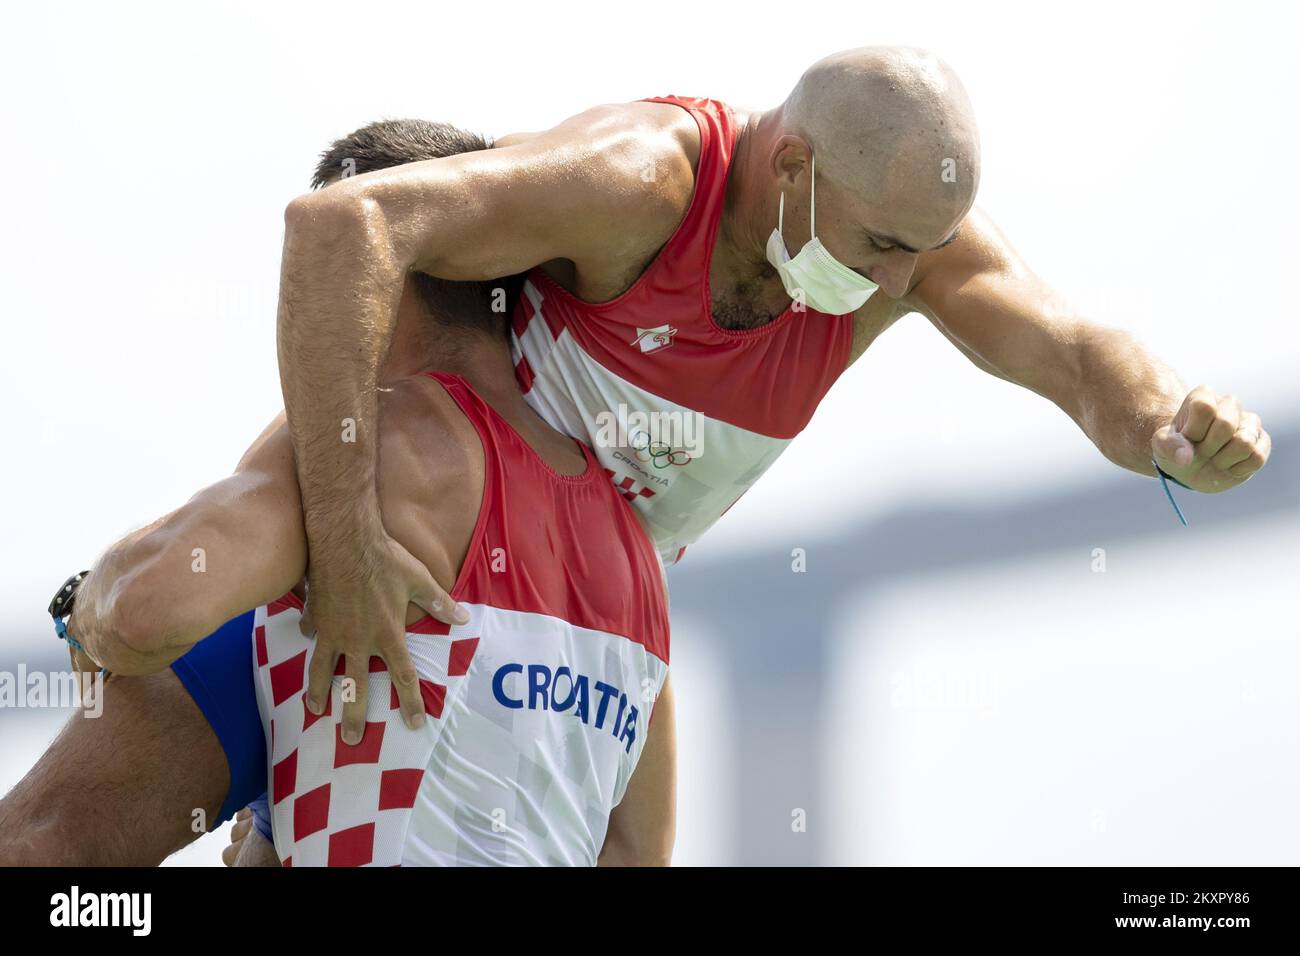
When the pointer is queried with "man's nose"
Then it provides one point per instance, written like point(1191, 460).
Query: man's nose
point(894, 277)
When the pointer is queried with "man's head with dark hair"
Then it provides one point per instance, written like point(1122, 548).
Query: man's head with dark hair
point(392, 143)
point(481, 305)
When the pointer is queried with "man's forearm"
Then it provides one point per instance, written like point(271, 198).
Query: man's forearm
point(340, 282)
point(1124, 395)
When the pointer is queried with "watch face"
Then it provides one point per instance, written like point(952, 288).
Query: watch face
point(61, 604)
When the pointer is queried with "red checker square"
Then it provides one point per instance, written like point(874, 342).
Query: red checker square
point(524, 374)
point(287, 678)
point(260, 634)
point(311, 812)
point(435, 695)
point(284, 777)
point(428, 625)
point(367, 751)
point(397, 788)
point(282, 604)
point(354, 846)
point(462, 652)
point(523, 315)
point(553, 321)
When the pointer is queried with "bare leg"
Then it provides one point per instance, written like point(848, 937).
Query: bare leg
point(128, 788)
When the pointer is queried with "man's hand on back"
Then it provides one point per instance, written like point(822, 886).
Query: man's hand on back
point(358, 590)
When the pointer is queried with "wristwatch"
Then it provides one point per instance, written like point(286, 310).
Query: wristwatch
point(61, 608)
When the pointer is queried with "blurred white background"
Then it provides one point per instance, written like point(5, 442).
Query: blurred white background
point(1140, 156)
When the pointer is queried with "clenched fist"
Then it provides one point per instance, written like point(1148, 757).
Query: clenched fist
point(1212, 444)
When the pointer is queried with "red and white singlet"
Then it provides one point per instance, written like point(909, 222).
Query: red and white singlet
point(621, 375)
point(537, 709)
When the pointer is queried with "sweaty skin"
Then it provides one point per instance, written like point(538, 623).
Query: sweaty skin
point(579, 201)
point(137, 784)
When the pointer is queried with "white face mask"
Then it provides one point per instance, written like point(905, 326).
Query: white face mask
point(814, 276)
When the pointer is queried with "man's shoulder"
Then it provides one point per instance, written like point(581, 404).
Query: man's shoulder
point(667, 127)
point(644, 128)
point(624, 174)
point(652, 147)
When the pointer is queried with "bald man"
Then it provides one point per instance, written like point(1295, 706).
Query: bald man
point(685, 258)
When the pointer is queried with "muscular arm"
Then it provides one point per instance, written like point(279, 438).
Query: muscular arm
point(1007, 321)
point(147, 601)
point(240, 542)
point(235, 545)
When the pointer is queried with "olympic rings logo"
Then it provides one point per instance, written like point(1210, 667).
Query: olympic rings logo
point(656, 452)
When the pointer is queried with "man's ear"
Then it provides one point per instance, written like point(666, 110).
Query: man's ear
point(790, 157)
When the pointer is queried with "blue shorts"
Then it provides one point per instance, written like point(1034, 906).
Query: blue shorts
point(218, 673)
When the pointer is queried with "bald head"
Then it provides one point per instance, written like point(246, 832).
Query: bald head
point(896, 149)
point(885, 118)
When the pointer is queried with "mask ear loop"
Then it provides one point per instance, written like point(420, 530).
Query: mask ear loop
point(812, 211)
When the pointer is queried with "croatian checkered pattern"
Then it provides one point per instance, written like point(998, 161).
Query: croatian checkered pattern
point(627, 487)
point(494, 777)
point(337, 804)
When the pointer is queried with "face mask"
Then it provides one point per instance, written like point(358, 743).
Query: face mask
point(814, 275)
